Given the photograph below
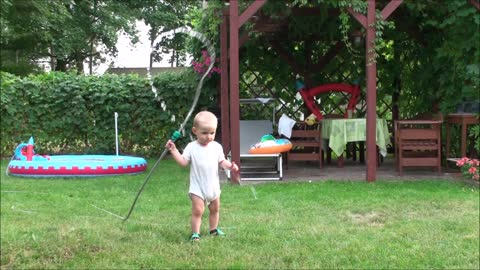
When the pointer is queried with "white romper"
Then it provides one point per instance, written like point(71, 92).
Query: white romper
point(204, 162)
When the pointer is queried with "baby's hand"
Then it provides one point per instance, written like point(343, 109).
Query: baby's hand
point(234, 167)
point(235, 173)
point(170, 145)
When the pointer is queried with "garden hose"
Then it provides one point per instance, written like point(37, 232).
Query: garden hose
point(177, 134)
point(8, 168)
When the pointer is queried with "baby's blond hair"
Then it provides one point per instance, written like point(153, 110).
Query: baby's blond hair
point(205, 119)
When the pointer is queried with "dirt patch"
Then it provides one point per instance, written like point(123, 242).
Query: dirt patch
point(373, 219)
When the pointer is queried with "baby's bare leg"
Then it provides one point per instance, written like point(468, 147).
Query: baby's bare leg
point(198, 206)
point(214, 213)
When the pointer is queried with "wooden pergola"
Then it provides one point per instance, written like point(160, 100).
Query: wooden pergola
point(230, 42)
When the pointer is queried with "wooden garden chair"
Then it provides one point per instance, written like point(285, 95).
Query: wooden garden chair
point(307, 144)
point(418, 143)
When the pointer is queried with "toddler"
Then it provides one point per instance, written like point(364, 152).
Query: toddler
point(205, 156)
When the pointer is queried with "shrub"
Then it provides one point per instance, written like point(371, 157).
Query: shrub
point(469, 168)
point(70, 113)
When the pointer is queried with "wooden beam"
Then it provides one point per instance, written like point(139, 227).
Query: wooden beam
point(263, 25)
point(270, 27)
point(287, 57)
point(234, 83)
point(371, 73)
point(224, 99)
point(327, 57)
point(250, 11)
point(390, 7)
point(368, 22)
point(243, 38)
point(313, 11)
point(267, 24)
point(306, 11)
point(313, 67)
point(386, 12)
point(475, 3)
point(319, 36)
point(362, 19)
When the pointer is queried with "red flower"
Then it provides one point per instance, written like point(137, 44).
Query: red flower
point(201, 67)
point(469, 168)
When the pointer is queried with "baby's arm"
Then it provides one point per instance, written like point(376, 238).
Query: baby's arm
point(234, 170)
point(175, 154)
point(226, 164)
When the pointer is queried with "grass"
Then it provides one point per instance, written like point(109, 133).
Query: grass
point(57, 224)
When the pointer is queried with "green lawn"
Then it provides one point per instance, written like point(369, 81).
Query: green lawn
point(58, 224)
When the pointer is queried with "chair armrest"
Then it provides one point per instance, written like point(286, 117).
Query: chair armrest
point(418, 122)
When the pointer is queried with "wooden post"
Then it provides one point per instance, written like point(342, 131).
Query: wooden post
point(224, 108)
point(371, 67)
point(368, 23)
point(236, 22)
point(234, 83)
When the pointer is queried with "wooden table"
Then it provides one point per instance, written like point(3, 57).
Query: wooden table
point(463, 119)
point(339, 132)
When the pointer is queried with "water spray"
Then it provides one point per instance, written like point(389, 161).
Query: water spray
point(177, 134)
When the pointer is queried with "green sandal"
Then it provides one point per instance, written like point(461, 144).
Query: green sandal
point(195, 237)
point(217, 232)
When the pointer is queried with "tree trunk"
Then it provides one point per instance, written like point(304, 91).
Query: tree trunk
point(172, 59)
point(52, 59)
point(79, 64)
point(90, 64)
point(90, 59)
point(152, 39)
point(61, 65)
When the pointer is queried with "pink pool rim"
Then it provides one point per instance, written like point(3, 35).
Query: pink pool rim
point(77, 165)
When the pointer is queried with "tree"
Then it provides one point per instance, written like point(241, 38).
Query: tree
point(25, 28)
point(91, 32)
point(66, 32)
point(163, 16)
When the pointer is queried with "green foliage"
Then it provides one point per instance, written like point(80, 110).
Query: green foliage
point(25, 25)
point(206, 21)
point(22, 68)
point(176, 92)
point(426, 54)
point(65, 32)
point(163, 16)
point(68, 113)
point(475, 133)
point(436, 55)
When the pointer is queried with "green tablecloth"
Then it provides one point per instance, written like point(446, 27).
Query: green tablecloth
point(341, 131)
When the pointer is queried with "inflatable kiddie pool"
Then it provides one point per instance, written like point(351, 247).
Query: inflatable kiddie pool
point(27, 164)
point(269, 145)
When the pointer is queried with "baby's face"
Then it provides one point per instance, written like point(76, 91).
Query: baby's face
point(205, 134)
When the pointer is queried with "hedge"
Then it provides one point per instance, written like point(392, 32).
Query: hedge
point(74, 114)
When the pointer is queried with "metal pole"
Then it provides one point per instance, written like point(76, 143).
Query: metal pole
point(116, 133)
